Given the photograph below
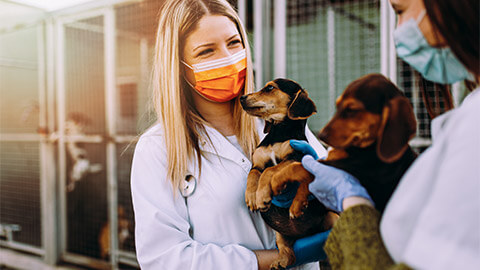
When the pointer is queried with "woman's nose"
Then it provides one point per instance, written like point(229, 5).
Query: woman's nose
point(225, 52)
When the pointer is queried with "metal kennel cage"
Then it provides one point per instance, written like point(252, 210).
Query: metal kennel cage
point(74, 96)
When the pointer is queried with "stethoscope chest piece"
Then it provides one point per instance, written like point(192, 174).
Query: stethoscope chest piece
point(188, 185)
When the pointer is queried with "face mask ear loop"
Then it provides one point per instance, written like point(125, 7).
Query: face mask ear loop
point(421, 16)
point(185, 78)
point(187, 65)
point(189, 83)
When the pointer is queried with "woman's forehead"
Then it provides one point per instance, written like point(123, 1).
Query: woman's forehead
point(212, 28)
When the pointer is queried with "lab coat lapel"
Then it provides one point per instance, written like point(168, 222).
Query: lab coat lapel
point(223, 148)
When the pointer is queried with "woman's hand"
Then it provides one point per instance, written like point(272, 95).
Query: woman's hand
point(331, 185)
point(265, 258)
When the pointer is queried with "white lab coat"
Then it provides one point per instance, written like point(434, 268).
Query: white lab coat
point(433, 218)
point(223, 232)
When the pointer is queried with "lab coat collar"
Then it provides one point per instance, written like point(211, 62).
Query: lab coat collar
point(223, 148)
point(440, 121)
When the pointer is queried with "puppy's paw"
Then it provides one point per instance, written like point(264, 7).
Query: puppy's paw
point(282, 263)
point(263, 199)
point(277, 266)
point(278, 184)
point(250, 200)
point(296, 209)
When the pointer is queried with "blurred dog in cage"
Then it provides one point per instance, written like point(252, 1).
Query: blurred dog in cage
point(74, 126)
point(124, 229)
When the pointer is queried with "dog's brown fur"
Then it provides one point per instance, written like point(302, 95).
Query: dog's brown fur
point(124, 231)
point(369, 134)
point(285, 106)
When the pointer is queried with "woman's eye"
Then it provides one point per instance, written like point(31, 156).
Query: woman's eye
point(234, 42)
point(205, 52)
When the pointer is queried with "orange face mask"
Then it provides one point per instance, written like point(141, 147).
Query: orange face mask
point(220, 80)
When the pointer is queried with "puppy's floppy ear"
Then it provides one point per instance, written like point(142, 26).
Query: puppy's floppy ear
point(397, 128)
point(301, 107)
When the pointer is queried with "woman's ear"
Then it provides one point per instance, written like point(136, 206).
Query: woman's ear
point(301, 107)
point(397, 128)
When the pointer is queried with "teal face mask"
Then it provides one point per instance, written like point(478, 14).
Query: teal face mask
point(435, 64)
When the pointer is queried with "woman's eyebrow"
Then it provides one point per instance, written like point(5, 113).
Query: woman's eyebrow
point(203, 45)
point(234, 36)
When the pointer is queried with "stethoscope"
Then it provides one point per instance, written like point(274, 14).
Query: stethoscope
point(188, 186)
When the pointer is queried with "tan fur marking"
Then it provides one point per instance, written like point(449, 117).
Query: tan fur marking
point(270, 105)
point(360, 128)
point(264, 189)
point(264, 154)
point(250, 192)
point(352, 103)
point(336, 154)
point(294, 172)
point(286, 256)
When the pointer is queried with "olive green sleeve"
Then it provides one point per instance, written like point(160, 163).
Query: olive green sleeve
point(355, 242)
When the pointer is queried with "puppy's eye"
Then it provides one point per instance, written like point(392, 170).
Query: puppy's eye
point(269, 88)
point(349, 112)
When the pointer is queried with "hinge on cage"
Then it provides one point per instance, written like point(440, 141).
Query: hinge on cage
point(6, 231)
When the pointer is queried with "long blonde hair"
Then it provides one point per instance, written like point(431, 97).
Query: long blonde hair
point(171, 97)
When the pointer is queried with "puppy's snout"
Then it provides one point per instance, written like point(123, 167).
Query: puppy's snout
point(324, 134)
point(243, 98)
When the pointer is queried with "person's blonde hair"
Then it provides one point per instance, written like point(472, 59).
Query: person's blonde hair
point(182, 124)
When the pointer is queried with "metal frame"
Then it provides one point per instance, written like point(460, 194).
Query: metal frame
point(110, 118)
point(31, 137)
point(109, 33)
point(280, 37)
point(332, 94)
point(388, 56)
point(258, 7)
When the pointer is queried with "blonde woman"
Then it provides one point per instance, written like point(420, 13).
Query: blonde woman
point(189, 170)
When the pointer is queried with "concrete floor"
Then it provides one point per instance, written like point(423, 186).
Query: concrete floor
point(10, 259)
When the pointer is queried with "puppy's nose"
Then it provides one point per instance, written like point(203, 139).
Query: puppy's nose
point(323, 136)
point(243, 98)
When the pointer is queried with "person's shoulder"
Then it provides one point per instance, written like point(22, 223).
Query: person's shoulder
point(152, 137)
point(156, 130)
point(469, 109)
point(473, 99)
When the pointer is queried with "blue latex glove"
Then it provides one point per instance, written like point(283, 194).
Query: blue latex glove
point(285, 198)
point(310, 249)
point(331, 185)
point(303, 147)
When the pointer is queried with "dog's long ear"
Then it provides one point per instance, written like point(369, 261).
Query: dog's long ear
point(301, 107)
point(397, 128)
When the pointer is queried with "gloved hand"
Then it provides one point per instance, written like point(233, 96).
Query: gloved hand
point(310, 249)
point(332, 185)
point(285, 198)
point(303, 147)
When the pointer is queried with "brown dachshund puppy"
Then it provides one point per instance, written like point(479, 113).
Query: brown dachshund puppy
point(284, 106)
point(369, 134)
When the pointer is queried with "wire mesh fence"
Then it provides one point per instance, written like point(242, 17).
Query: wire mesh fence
point(20, 205)
point(20, 191)
point(329, 43)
